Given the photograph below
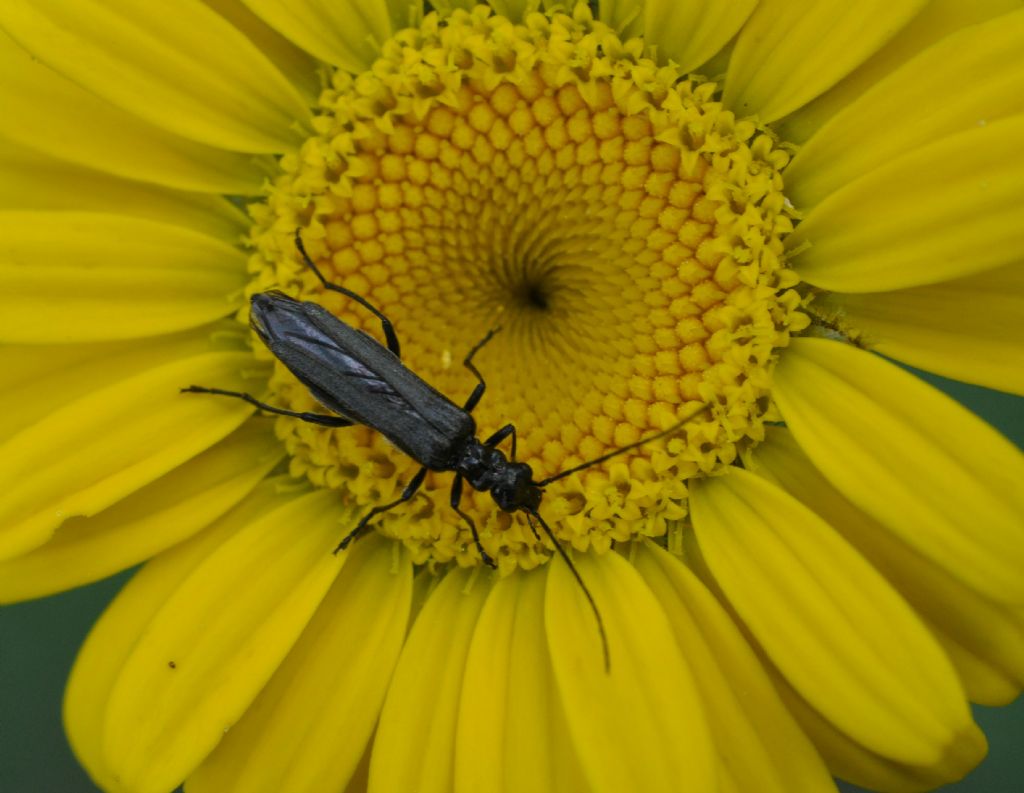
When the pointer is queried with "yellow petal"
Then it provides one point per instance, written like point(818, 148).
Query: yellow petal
point(345, 33)
point(789, 53)
point(938, 19)
point(91, 453)
point(309, 727)
point(148, 521)
point(37, 379)
point(979, 74)
point(81, 277)
point(943, 211)
point(912, 458)
point(38, 102)
point(851, 761)
point(639, 725)
point(116, 633)
point(35, 181)
point(970, 329)
point(691, 31)
point(985, 633)
point(189, 72)
point(215, 641)
point(829, 623)
point(515, 738)
point(760, 747)
point(415, 744)
point(987, 683)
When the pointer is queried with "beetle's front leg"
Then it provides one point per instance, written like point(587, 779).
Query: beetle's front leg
point(409, 492)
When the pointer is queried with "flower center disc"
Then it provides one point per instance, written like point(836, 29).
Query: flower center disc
point(620, 226)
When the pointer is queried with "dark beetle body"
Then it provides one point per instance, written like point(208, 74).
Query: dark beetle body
point(355, 376)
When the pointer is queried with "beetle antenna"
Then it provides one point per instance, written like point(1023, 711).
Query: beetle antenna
point(616, 452)
point(579, 580)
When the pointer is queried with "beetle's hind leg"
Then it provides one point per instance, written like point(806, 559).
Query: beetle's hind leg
point(311, 418)
point(481, 386)
point(409, 492)
point(456, 499)
point(389, 330)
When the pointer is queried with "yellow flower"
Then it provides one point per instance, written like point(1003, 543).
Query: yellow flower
point(667, 207)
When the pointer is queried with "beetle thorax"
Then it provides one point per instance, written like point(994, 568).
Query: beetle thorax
point(511, 484)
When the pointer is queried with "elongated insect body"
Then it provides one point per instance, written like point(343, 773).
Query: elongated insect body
point(352, 374)
point(362, 381)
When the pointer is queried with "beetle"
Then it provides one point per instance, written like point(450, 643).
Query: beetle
point(364, 382)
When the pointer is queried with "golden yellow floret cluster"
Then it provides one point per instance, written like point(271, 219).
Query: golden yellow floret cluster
point(623, 229)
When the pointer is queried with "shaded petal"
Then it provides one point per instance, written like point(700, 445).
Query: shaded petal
point(626, 17)
point(190, 72)
point(979, 74)
point(691, 31)
point(788, 53)
point(111, 277)
point(932, 472)
point(447, 6)
point(35, 181)
point(639, 725)
point(216, 639)
point(148, 521)
point(415, 744)
point(37, 379)
point(345, 33)
point(759, 744)
point(970, 329)
point(409, 15)
point(38, 102)
point(987, 637)
point(943, 211)
point(829, 623)
point(361, 776)
point(298, 66)
point(512, 9)
point(91, 453)
point(516, 737)
point(937, 19)
point(308, 729)
point(116, 633)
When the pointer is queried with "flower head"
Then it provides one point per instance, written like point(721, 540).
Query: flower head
point(643, 217)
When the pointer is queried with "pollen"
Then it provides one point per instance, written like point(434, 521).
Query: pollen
point(623, 230)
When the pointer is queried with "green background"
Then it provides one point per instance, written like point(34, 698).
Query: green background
point(38, 641)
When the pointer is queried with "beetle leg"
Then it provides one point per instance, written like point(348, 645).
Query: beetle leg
point(478, 392)
point(385, 323)
point(312, 418)
point(500, 435)
point(409, 492)
point(456, 498)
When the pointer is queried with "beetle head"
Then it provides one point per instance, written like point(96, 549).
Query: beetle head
point(515, 488)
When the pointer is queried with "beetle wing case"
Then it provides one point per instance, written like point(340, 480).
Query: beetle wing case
point(355, 376)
